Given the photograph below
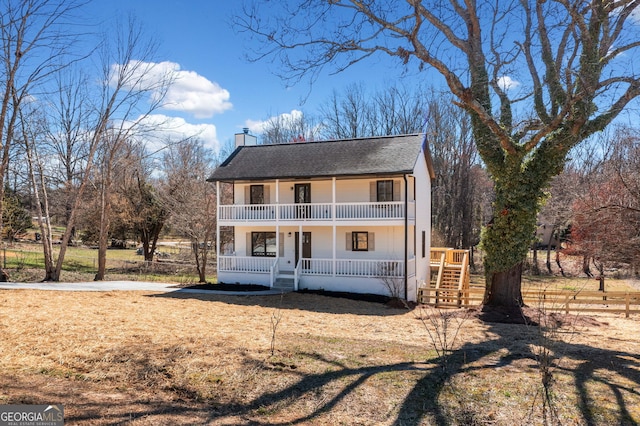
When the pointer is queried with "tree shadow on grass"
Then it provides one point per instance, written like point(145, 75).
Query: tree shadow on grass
point(422, 404)
point(312, 382)
point(589, 366)
point(587, 361)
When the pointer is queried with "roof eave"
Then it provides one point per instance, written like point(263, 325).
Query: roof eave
point(309, 177)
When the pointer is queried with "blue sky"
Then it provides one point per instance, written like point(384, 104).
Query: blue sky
point(218, 92)
point(225, 91)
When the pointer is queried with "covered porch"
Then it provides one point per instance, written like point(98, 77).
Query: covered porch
point(267, 270)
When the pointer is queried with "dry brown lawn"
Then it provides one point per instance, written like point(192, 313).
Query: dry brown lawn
point(163, 359)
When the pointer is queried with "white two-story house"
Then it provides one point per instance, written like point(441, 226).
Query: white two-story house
point(345, 215)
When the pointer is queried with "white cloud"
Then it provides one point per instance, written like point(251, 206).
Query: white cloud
point(193, 93)
point(507, 83)
point(188, 92)
point(160, 129)
point(258, 126)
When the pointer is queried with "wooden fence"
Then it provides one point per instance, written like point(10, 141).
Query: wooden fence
point(626, 302)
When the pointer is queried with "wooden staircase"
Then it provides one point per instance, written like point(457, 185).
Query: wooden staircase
point(449, 278)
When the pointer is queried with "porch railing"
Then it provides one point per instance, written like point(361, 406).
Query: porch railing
point(274, 271)
point(343, 267)
point(314, 211)
point(369, 268)
point(245, 264)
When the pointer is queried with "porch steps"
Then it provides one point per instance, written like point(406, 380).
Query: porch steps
point(284, 281)
point(449, 281)
point(449, 277)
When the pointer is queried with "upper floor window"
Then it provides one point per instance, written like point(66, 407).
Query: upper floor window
point(256, 194)
point(384, 190)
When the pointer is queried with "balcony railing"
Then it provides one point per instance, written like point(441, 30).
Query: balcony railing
point(390, 210)
point(253, 212)
point(343, 267)
point(311, 211)
point(315, 211)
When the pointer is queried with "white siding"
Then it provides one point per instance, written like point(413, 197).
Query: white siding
point(422, 223)
point(360, 190)
point(389, 235)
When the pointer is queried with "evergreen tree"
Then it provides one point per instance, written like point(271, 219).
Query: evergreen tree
point(16, 219)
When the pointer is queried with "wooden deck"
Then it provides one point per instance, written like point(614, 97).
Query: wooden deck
point(449, 288)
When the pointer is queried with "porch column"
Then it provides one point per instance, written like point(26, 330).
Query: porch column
point(217, 223)
point(299, 242)
point(333, 217)
point(277, 218)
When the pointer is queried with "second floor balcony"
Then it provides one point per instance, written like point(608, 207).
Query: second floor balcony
point(328, 212)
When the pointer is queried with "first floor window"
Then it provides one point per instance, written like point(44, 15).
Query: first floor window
point(360, 241)
point(263, 244)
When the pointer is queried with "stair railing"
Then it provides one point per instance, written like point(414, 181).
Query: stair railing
point(274, 271)
point(439, 280)
point(463, 274)
point(296, 274)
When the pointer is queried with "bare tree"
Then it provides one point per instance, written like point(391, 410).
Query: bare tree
point(569, 60)
point(347, 115)
point(606, 218)
point(35, 163)
point(68, 136)
point(400, 110)
point(190, 199)
point(34, 36)
point(133, 87)
point(555, 215)
point(357, 113)
point(457, 165)
point(144, 212)
point(130, 88)
point(287, 128)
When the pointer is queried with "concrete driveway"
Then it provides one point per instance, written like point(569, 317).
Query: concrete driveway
point(124, 286)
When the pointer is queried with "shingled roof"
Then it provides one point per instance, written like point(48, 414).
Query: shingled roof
point(383, 155)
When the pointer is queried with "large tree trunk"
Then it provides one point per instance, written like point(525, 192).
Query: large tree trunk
point(504, 289)
point(507, 240)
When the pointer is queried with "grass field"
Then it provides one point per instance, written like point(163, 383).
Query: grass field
point(163, 359)
point(25, 262)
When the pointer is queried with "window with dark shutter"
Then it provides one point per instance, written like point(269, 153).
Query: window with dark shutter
point(256, 194)
point(360, 241)
point(384, 190)
point(263, 244)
